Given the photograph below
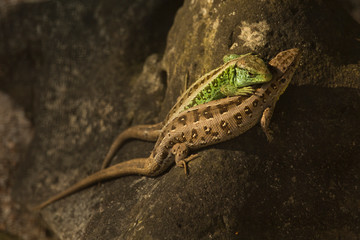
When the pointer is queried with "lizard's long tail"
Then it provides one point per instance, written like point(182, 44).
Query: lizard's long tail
point(140, 166)
point(143, 132)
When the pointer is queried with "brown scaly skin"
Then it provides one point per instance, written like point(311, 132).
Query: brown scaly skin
point(248, 62)
point(201, 126)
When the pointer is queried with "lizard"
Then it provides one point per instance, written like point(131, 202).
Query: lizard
point(203, 125)
point(234, 77)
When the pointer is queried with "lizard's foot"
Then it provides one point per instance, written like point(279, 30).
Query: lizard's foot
point(230, 91)
point(245, 91)
point(180, 151)
point(269, 134)
point(183, 162)
point(265, 122)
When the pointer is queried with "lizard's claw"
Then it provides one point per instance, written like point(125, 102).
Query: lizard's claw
point(182, 164)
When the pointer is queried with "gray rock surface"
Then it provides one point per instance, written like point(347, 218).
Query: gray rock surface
point(86, 82)
point(16, 133)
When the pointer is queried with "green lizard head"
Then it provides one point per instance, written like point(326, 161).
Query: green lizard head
point(250, 70)
point(235, 77)
point(244, 71)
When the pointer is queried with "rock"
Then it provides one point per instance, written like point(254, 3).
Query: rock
point(88, 58)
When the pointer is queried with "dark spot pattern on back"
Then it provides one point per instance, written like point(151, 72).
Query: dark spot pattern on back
point(214, 134)
point(196, 115)
point(195, 86)
point(225, 126)
point(262, 97)
point(222, 108)
point(183, 138)
point(207, 130)
point(194, 134)
point(207, 113)
point(182, 120)
point(163, 154)
point(189, 92)
point(247, 110)
point(238, 101)
point(231, 102)
point(238, 118)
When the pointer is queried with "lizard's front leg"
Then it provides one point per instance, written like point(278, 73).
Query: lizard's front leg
point(180, 151)
point(230, 90)
point(143, 132)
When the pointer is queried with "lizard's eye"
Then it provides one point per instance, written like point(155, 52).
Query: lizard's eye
point(251, 74)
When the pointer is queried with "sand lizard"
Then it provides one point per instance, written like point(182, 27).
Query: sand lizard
point(234, 77)
point(203, 125)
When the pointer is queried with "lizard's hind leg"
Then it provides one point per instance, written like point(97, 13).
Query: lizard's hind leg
point(143, 132)
point(181, 152)
point(265, 122)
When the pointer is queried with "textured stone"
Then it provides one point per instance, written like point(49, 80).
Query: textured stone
point(85, 81)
